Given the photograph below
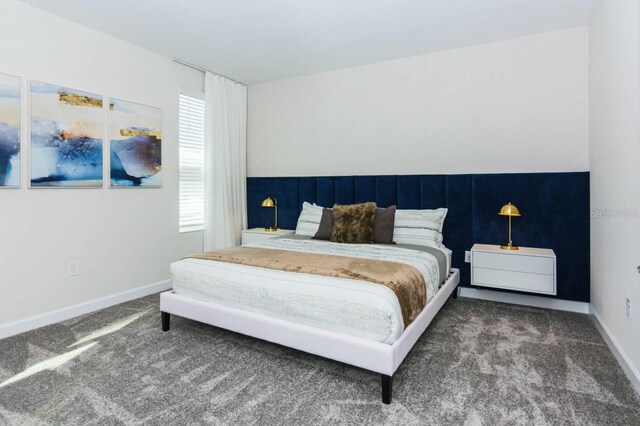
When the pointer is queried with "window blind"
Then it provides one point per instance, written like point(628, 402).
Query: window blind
point(191, 141)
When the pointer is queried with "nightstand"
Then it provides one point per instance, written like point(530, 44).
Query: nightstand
point(532, 270)
point(256, 235)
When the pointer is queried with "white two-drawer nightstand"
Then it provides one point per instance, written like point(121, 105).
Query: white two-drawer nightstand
point(531, 270)
point(256, 235)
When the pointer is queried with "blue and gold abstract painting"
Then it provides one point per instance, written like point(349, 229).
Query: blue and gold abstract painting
point(9, 131)
point(135, 135)
point(66, 137)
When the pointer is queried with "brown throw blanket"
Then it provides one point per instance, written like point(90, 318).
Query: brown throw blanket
point(404, 280)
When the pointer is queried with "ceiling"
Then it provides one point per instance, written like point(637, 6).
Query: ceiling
point(254, 41)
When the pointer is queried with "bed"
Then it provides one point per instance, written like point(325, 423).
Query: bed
point(348, 320)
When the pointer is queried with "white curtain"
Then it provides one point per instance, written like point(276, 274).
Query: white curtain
point(225, 211)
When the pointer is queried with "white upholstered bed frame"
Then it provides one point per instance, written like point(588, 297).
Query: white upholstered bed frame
point(374, 356)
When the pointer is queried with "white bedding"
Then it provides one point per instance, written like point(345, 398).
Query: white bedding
point(348, 306)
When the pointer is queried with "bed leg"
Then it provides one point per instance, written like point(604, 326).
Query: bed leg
point(455, 293)
point(166, 321)
point(387, 385)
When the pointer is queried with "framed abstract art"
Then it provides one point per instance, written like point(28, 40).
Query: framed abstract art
point(9, 131)
point(135, 137)
point(66, 137)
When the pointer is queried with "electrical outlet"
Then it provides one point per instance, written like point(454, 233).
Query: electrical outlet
point(74, 268)
point(628, 306)
point(467, 256)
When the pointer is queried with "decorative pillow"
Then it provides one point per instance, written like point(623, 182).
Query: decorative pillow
point(309, 219)
point(421, 227)
point(326, 226)
point(353, 224)
point(383, 225)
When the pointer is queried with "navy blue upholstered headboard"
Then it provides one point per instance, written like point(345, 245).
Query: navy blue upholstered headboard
point(554, 206)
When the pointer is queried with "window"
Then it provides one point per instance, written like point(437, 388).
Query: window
point(191, 141)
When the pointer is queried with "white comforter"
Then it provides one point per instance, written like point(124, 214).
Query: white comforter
point(357, 308)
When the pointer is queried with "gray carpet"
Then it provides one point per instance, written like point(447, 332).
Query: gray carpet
point(478, 363)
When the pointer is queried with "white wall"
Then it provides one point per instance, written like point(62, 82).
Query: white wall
point(615, 156)
point(123, 238)
point(519, 105)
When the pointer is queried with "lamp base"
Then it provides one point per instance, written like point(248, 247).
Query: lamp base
point(509, 247)
point(271, 229)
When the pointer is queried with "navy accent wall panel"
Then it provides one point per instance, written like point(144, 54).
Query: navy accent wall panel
point(285, 190)
point(554, 206)
point(458, 225)
point(555, 215)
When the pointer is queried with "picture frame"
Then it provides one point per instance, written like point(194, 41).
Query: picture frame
point(10, 131)
point(135, 145)
point(66, 137)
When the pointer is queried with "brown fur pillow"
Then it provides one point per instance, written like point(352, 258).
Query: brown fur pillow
point(354, 223)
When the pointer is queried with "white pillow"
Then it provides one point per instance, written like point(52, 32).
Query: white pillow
point(420, 227)
point(309, 219)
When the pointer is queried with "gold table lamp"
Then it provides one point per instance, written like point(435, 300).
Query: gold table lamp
point(272, 202)
point(511, 211)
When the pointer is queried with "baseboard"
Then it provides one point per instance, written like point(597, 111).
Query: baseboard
point(625, 362)
point(525, 299)
point(31, 323)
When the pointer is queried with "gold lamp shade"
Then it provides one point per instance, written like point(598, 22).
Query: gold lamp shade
point(511, 211)
point(271, 202)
